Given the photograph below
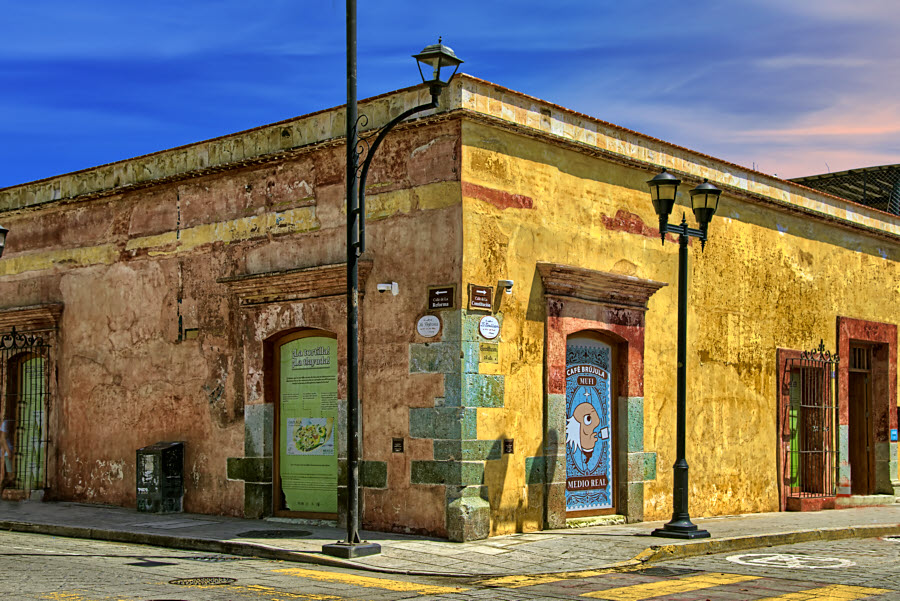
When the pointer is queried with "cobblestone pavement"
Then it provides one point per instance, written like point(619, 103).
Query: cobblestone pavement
point(41, 567)
point(524, 553)
point(856, 562)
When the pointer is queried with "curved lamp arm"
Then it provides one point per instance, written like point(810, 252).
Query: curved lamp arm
point(370, 153)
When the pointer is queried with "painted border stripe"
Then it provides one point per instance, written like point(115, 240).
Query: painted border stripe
point(837, 592)
point(368, 582)
point(647, 590)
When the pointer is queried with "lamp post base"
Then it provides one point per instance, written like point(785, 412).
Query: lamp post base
point(684, 529)
point(351, 550)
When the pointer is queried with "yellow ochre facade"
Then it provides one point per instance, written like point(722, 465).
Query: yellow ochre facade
point(185, 271)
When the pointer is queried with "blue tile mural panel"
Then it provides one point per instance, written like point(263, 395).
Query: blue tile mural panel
point(589, 469)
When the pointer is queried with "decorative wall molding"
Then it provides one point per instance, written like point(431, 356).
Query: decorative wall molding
point(602, 287)
point(294, 284)
point(31, 318)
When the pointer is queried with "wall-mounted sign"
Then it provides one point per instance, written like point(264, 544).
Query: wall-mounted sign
point(308, 463)
point(428, 326)
point(396, 445)
point(508, 446)
point(894, 435)
point(488, 352)
point(489, 327)
point(481, 297)
point(441, 297)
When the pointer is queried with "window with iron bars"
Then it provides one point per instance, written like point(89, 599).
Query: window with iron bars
point(25, 377)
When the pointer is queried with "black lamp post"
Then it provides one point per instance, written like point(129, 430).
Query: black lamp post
point(438, 60)
point(704, 201)
point(3, 232)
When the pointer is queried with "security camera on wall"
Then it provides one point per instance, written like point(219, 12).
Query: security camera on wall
point(506, 285)
point(391, 287)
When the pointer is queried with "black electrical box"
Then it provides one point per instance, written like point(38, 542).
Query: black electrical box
point(160, 478)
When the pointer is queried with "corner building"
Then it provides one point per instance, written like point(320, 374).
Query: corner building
point(199, 295)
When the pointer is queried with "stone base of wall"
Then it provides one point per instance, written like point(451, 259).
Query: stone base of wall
point(806, 504)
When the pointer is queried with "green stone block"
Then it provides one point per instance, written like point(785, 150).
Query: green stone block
point(258, 429)
point(555, 439)
point(471, 357)
point(451, 325)
point(447, 472)
point(634, 510)
point(535, 470)
point(483, 390)
point(471, 322)
point(455, 492)
point(429, 472)
point(649, 466)
point(466, 450)
point(434, 358)
point(455, 423)
point(471, 472)
point(249, 469)
point(421, 422)
point(373, 474)
point(635, 424)
point(452, 390)
point(635, 467)
point(257, 500)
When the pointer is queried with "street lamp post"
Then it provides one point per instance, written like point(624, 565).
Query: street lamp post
point(704, 201)
point(438, 61)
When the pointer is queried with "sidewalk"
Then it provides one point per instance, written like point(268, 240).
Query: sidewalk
point(532, 553)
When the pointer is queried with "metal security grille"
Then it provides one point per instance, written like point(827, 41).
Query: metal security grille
point(25, 377)
point(812, 417)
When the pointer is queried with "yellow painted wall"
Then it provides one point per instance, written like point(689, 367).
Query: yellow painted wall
point(767, 279)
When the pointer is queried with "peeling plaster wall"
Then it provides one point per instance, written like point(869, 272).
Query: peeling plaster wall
point(153, 348)
point(767, 279)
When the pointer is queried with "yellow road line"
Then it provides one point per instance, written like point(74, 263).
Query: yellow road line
point(674, 586)
point(525, 580)
point(368, 582)
point(837, 592)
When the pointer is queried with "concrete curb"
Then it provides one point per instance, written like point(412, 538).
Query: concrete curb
point(649, 555)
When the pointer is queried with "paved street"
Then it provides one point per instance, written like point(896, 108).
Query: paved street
point(42, 567)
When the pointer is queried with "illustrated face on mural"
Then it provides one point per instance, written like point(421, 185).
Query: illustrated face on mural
point(587, 420)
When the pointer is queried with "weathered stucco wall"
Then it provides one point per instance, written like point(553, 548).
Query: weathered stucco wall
point(153, 345)
point(157, 343)
point(767, 279)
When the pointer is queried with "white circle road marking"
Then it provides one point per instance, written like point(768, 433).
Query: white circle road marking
point(778, 560)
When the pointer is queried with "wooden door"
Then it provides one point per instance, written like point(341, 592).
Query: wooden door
point(862, 432)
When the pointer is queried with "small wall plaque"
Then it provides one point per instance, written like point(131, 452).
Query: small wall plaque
point(489, 327)
point(441, 297)
point(489, 352)
point(397, 445)
point(481, 297)
point(428, 326)
point(508, 446)
point(894, 435)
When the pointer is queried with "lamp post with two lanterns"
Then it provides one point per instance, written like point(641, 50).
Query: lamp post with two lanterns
point(440, 65)
point(704, 202)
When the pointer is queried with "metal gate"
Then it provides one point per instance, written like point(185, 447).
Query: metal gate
point(25, 378)
point(812, 416)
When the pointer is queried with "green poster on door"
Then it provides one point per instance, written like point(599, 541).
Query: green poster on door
point(307, 453)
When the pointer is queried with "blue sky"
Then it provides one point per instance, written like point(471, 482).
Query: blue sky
point(794, 87)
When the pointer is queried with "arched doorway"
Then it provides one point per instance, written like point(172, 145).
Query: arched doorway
point(590, 425)
point(305, 379)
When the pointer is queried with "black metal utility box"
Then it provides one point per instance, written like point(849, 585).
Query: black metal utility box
point(160, 477)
